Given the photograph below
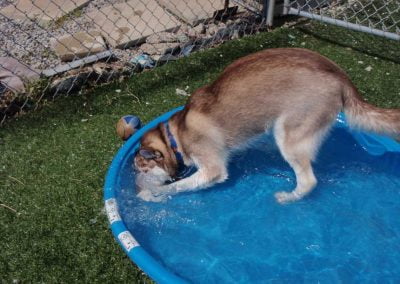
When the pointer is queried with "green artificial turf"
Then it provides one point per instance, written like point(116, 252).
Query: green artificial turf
point(53, 161)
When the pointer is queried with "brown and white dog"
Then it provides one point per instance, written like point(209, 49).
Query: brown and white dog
point(295, 93)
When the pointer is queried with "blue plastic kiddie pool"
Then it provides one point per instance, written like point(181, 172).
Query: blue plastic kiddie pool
point(347, 230)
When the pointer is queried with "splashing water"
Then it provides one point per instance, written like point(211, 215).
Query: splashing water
point(347, 230)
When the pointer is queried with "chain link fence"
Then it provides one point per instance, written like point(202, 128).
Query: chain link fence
point(54, 47)
point(378, 17)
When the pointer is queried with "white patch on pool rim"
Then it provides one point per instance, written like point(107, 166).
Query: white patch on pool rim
point(112, 210)
point(127, 240)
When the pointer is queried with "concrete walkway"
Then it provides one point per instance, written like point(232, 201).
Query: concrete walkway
point(129, 23)
point(121, 25)
point(44, 11)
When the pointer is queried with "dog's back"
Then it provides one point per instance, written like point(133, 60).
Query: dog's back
point(254, 91)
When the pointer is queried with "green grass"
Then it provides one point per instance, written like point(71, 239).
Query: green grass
point(53, 161)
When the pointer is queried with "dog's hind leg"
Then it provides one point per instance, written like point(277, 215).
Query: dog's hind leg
point(298, 144)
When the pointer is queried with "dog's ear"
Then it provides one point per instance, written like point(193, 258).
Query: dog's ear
point(150, 154)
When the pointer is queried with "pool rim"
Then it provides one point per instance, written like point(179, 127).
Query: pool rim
point(374, 144)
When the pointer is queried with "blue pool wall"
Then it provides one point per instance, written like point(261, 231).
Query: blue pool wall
point(374, 144)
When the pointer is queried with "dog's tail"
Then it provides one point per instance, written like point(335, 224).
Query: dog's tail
point(365, 116)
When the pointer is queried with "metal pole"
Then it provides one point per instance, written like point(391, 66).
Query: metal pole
point(270, 13)
point(286, 6)
point(340, 23)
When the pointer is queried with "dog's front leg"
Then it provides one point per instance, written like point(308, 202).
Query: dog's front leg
point(204, 177)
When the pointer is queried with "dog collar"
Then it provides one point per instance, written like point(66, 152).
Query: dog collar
point(183, 170)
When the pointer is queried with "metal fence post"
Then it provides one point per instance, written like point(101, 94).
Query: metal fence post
point(270, 13)
point(286, 6)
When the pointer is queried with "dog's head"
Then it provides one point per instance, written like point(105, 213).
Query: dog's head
point(155, 159)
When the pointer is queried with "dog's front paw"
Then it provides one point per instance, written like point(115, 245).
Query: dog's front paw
point(286, 197)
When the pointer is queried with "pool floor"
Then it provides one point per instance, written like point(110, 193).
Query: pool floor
point(347, 230)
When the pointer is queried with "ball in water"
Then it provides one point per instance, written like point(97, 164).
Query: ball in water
point(128, 125)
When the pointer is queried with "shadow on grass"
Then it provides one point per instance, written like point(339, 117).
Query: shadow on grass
point(380, 47)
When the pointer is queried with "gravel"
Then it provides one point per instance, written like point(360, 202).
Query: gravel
point(28, 42)
point(4, 3)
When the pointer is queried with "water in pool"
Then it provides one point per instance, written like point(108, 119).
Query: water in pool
point(347, 230)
